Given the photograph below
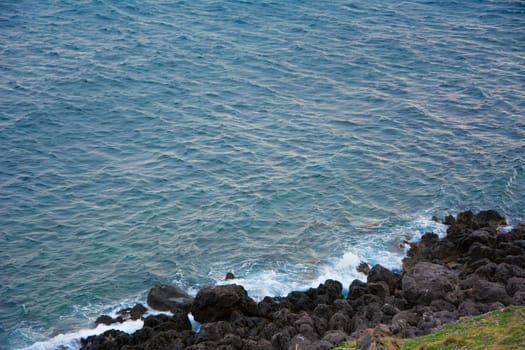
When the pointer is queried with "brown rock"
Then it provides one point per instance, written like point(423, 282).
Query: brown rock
point(378, 338)
point(363, 268)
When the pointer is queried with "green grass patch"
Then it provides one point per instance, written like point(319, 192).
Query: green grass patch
point(502, 329)
point(351, 344)
point(498, 330)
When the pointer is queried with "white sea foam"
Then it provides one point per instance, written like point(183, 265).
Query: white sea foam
point(271, 282)
point(274, 283)
point(505, 229)
point(195, 326)
point(71, 341)
point(375, 250)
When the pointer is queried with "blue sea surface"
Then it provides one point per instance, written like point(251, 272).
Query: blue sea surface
point(285, 141)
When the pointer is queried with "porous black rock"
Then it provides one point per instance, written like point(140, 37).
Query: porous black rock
point(357, 289)
point(134, 313)
point(107, 320)
point(165, 297)
point(269, 305)
point(379, 273)
point(219, 302)
point(426, 282)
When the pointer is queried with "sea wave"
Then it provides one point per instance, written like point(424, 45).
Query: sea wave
point(267, 282)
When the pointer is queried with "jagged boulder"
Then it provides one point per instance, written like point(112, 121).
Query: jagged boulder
point(300, 301)
point(357, 289)
point(515, 285)
point(160, 323)
point(269, 305)
point(426, 282)
point(403, 324)
point(430, 248)
point(107, 320)
point(134, 313)
point(484, 218)
point(326, 293)
point(486, 236)
point(378, 338)
point(379, 273)
point(219, 302)
point(165, 297)
point(489, 218)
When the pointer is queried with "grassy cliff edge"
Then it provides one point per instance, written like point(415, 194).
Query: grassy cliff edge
point(500, 329)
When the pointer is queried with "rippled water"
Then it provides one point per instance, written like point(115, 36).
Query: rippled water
point(284, 141)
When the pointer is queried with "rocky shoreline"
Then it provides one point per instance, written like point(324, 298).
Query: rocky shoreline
point(473, 270)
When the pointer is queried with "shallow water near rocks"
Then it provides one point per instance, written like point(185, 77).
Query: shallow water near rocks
point(282, 141)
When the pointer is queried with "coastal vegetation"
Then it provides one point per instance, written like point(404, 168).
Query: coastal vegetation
point(500, 329)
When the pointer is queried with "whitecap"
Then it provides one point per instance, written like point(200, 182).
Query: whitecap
point(386, 249)
point(71, 341)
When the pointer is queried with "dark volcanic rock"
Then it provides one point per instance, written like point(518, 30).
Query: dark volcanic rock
point(379, 273)
point(343, 305)
point(488, 292)
point(518, 298)
point(178, 322)
point(300, 301)
point(281, 340)
point(165, 297)
point(484, 218)
point(486, 236)
point(426, 282)
point(305, 326)
point(517, 260)
point(164, 341)
point(372, 313)
point(489, 218)
point(515, 285)
point(300, 342)
point(336, 337)
point(379, 289)
point(213, 331)
point(449, 220)
point(135, 313)
point(403, 324)
point(378, 338)
point(219, 302)
point(506, 271)
point(478, 251)
point(389, 309)
point(269, 305)
point(111, 339)
point(465, 218)
point(339, 321)
point(327, 292)
point(357, 289)
point(247, 326)
point(431, 249)
point(107, 320)
point(323, 311)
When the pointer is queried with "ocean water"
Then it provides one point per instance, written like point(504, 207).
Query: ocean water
point(284, 141)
